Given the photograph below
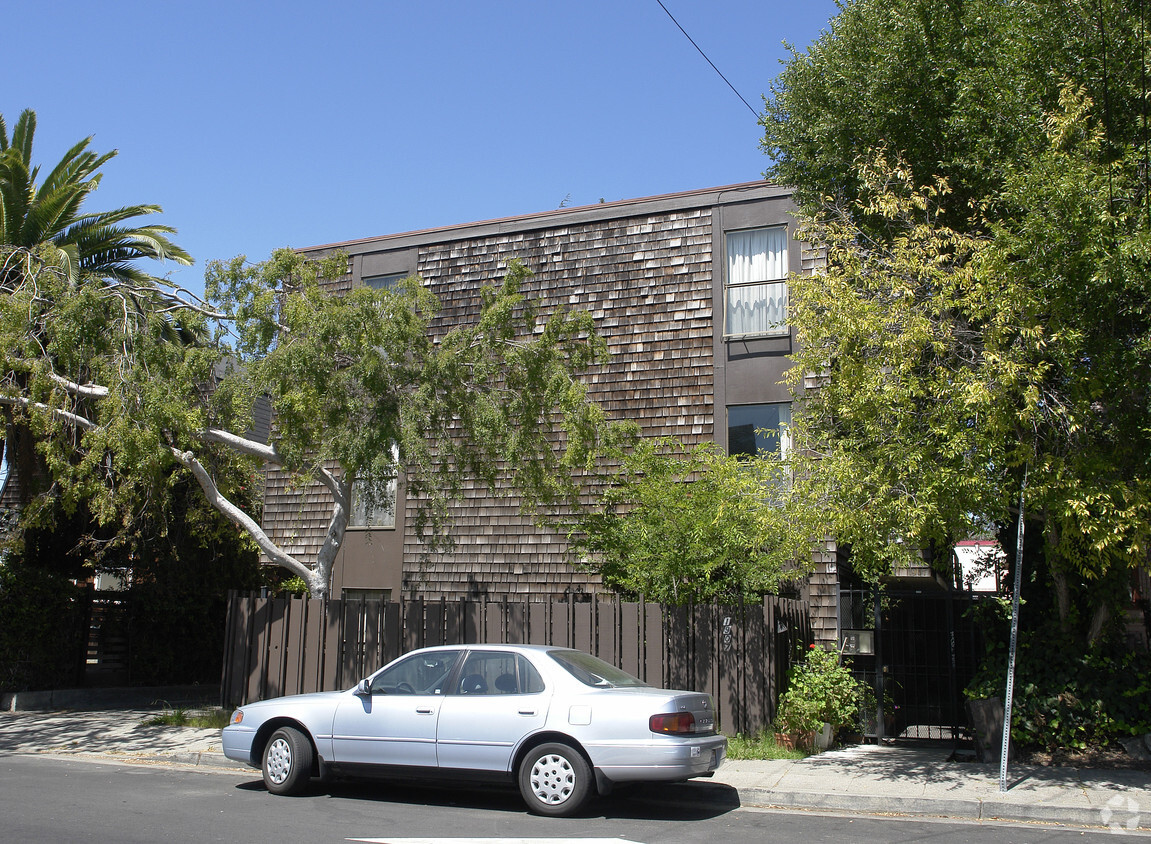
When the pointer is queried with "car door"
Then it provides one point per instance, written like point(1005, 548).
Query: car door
point(395, 723)
point(498, 698)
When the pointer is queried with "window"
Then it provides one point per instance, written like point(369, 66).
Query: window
point(756, 428)
point(420, 674)
point(384, 282)
point(380, 512)
point(756, 290)
point(593, 671)
point(382, 595)
point(498, 673)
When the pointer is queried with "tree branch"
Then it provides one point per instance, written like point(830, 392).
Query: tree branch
point(242, 520)
point(63, 415)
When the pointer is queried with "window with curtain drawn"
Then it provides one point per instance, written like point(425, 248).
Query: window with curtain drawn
point(385, 282)
point(755, 289)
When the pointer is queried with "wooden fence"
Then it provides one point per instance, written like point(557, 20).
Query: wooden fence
point(739, 654)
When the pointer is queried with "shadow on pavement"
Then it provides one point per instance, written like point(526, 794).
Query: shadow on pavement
point(646, 802)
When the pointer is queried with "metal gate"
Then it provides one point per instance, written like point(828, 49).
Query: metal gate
point(917, 651)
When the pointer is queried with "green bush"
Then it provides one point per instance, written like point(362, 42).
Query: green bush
point(41, 614)
point(1070, 697)
point(819, 690)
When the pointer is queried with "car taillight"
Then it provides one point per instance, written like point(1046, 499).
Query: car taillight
point(674, 723)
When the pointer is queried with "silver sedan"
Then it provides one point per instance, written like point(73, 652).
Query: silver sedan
point(561, 724)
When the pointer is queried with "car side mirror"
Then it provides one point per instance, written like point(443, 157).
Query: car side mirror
point(364, 688)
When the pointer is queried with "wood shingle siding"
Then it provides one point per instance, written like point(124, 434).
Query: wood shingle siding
point(648, 284)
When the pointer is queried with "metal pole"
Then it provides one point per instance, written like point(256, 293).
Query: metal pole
point(1014, 640)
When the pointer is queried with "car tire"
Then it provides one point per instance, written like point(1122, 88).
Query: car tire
point(554, 780)
point(287, 762)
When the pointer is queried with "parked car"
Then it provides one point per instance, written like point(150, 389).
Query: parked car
point(559, 723)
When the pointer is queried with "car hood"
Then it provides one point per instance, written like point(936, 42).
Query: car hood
point(296, 700)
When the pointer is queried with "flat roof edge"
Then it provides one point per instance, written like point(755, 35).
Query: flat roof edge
point(579, 214)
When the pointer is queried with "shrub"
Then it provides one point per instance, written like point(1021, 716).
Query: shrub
point(41, 615)
point(819, 690)
point(1068, 697)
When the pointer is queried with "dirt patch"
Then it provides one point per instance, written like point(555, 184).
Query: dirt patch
point(1091, 758)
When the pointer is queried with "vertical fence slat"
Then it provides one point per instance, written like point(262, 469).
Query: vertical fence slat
point(312, 644)
point(473, 622)
point(538, 623)
point(583, 626)
point(516, 622)
point(413, 625)
point(293, 652)
point(655, 638)
point(728, 674)
point(607, 631)
point(332, 633)
point(494, 614)
point(630, 638)
point(704, 650)
point(434, 623)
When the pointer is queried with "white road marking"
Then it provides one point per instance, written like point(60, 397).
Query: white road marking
point(492, 840)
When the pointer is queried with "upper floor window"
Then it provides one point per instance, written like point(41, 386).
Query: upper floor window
point(755, 291)
point(754, 429)
point(384, 282)
point(381, 512)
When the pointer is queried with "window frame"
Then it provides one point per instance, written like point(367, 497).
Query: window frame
point(385, 281)
point(782, 427)
point(780, 329)
point(355, 510)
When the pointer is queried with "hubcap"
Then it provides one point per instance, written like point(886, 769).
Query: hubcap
point(279, 761)
point(552, 779)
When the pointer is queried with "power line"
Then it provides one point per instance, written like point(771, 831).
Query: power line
point(709, 61)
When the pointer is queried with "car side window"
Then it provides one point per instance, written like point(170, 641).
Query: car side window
point(498, 673)
point(419, 674)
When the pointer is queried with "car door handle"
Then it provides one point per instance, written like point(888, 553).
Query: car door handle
point(425, 710)
point(527, 712)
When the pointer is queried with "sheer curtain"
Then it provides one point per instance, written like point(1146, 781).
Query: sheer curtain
point(757, 304)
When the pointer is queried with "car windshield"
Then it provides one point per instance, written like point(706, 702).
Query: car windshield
point(593, 671)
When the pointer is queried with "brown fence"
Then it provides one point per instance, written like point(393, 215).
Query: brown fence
point(739, 654)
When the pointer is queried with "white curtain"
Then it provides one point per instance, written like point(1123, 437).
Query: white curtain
point(756, 304)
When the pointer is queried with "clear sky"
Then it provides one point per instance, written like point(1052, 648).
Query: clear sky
point(257, 125)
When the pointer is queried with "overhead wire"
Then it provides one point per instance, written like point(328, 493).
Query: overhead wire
point(709, 61)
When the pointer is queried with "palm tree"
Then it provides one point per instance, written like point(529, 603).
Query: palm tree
point(48, 216)
point(43, 227)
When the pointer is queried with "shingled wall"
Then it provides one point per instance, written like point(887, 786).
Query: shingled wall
point(647, 282)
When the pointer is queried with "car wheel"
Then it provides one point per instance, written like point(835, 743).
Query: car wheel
point(554, 780)
point(287, 763)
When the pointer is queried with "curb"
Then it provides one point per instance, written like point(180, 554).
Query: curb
point(142, 697)
point(977, 810)
point(191, 758)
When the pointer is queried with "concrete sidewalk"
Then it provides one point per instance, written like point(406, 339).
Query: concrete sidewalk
point(912, 780)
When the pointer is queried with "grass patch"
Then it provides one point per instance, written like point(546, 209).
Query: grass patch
point(759, 746)
point(214, 718)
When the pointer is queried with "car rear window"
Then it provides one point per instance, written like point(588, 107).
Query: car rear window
point(593, 671)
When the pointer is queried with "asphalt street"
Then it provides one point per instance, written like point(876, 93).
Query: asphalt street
point(50, 798)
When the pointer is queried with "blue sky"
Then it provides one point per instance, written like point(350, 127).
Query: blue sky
point(258, 125)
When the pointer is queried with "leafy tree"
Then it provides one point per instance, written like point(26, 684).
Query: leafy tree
point(121, 379)
point(958, 90)
point(368, 386)
point(984, 310)
point(684, 526)
point(42, 220)
point(358, 387)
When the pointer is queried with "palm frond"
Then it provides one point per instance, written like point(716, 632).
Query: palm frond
point(23, 133)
